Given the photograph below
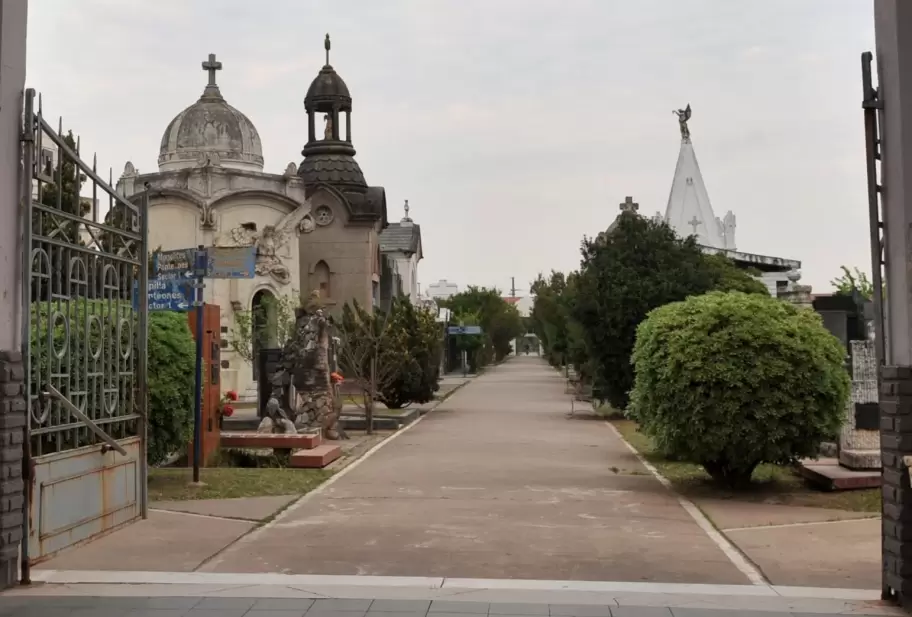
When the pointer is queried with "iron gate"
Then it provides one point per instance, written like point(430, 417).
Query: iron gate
point(85, 310)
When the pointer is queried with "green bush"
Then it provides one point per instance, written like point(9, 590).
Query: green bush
point(172, 364)
point(93, 330)
point(416, 379)
point(732, 380)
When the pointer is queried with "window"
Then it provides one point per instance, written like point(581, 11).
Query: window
point(322, 279)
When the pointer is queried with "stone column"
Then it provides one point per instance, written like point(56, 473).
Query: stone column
point(13, 19)
point(859, 442)
point(896, 445)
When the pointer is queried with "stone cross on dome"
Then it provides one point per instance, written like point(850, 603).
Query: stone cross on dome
point(628, 205)
point(212, 65)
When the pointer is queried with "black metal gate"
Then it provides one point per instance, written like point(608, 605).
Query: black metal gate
point(85, 309)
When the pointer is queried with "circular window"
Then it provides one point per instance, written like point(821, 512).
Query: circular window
point(323, 215)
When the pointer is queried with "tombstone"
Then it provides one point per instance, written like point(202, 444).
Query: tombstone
point(844, 317)
point(859, 440)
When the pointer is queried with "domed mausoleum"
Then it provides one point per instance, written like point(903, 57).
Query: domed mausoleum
point(213, 128)
point(314, 227)
point(211, 190)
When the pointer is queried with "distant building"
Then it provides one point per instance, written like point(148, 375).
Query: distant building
point(442, 289)
point(400, 247)
point(690, 213)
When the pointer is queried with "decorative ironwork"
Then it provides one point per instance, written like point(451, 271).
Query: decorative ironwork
point(84, 296)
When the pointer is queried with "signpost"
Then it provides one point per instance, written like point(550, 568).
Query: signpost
point(187, 269)
point(468, 330)
point(455, 330)
point(169, 265)
point(166, 295)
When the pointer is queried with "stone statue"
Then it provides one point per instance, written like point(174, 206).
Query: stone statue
point(269, 243)
point(307, 224)
point(328, 130)
point(305, 364)
point(683, 116)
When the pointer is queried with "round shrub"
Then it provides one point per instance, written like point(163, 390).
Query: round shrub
point(172, 354)
point(731, 380)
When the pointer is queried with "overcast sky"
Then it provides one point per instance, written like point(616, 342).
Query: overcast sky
point(513, 127)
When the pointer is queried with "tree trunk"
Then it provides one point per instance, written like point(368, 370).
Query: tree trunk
point(369, 408)
point(732, 478)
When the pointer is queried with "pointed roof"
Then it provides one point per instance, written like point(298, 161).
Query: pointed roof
point(689, 211)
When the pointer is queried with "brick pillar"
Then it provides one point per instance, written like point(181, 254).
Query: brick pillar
point(12, 433)
point(896, 444)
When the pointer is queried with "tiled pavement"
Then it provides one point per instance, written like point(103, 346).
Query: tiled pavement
point(87, 606)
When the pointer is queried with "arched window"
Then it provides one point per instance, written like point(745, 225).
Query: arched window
point(321, 279)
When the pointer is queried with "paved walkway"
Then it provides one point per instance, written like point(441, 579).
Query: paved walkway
point(497, 482)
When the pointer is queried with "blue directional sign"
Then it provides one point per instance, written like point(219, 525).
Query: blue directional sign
point(174, 264)
point(166, 295)
point(231, 262)
point(464, 330)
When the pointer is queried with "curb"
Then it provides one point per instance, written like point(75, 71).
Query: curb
point(741, 561)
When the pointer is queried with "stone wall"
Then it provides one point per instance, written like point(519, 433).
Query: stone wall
point(12, 434)
point(896, 443)
point(859, 448)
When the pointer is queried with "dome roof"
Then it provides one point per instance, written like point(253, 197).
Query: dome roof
point(327, 89)
point(211, 127)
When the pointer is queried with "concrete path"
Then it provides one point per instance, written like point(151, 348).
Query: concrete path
point(497, 482)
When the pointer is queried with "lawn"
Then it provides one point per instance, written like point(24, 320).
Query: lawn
point(173, 484)
point(773, 483)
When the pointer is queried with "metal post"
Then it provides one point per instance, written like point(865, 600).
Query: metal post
point(143, 364)
point(199, 270)
point(25, 178)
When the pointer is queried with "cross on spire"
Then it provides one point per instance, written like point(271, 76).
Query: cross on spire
point(694, 223)
point(212, 66)
point(326, 46)
point(628, 205)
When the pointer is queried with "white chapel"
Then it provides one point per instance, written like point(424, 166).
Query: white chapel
point(210, 189)
point(690, 213)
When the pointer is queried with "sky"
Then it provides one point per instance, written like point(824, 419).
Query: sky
point(513, 127)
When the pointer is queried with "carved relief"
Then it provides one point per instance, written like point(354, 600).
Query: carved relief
point(272, 243)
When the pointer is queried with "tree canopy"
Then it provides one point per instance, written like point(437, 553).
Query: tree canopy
point(852, 281)
point(500, 321)
point(588, 319)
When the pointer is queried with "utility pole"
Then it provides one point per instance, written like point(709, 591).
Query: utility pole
point(512, 286)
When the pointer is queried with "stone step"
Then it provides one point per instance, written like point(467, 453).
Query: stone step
point(316, 458)
point(276, 441)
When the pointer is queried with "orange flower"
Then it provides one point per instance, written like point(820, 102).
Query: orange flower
point(336, 378)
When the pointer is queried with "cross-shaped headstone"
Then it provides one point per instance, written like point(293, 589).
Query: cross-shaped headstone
point(212, 66)
point(694, 223)
point(628, 205)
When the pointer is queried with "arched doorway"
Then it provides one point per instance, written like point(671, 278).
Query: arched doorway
point(264, 327)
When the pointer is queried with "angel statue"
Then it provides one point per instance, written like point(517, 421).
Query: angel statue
point(271, 243)
point(683, 116)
